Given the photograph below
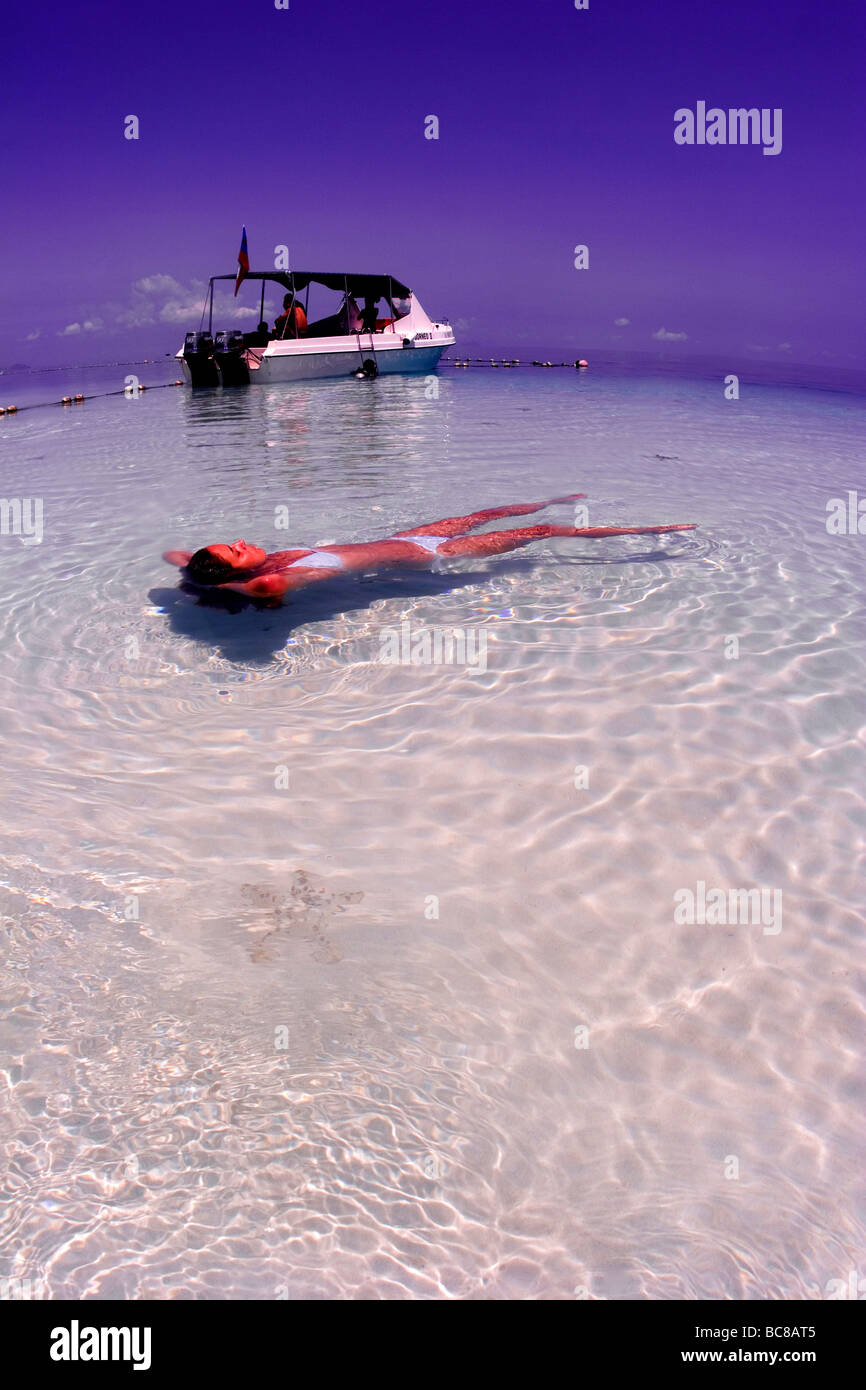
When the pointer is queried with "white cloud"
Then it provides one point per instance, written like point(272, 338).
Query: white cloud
point(621, 323)
point(189, 311)
point(158, 284)
point(162, 299)
point(31, 337)
point(88, 326)
point(177, 311)
point(226, 307)
point(760, 347)
point(138, 317)
point(159, 298)
point(663, 336)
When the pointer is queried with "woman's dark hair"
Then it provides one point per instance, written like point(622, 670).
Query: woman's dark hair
point(207, 568)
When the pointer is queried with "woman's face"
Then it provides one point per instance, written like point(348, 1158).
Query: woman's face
point(239, 555)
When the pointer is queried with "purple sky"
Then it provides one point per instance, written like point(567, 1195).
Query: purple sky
point(556, 128)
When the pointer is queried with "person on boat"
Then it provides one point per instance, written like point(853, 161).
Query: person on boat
point(369, 314)
point(261, 337)
point(351, 315)
point(292, 322)
point(250, 570)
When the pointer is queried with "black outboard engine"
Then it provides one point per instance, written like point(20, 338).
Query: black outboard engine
point(198, 354)
point(229, 357)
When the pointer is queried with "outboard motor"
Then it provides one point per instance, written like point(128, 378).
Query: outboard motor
point(198, 350)
point(229, 357)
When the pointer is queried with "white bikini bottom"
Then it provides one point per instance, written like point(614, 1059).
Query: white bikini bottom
point(431, 543)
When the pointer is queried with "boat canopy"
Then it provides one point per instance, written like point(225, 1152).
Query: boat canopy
point(359, 286)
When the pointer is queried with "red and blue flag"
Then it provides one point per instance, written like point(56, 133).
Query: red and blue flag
point(243, 262)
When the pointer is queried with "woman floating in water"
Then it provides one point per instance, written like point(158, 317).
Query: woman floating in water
point(249, 570)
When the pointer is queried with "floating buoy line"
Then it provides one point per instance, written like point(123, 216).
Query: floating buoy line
point(367, 370)
point(80, 398)
point(508, 362)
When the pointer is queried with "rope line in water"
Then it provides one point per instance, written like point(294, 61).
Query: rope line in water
point(507, 362)
point(161, 386)
point(80, 399)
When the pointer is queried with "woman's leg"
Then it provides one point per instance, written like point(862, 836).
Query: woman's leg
point(459, 525)
point(499, 542)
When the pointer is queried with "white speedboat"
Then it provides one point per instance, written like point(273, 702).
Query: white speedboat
point(350, 341)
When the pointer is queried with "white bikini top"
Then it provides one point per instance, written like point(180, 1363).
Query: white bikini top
point(318, 560)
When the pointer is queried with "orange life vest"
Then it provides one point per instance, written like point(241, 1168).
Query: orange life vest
point(292, 323)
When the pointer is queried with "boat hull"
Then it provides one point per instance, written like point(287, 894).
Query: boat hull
point(344, 361)
point(335, 361)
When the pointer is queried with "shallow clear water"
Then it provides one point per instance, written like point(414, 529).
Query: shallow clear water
point(286, 1076)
